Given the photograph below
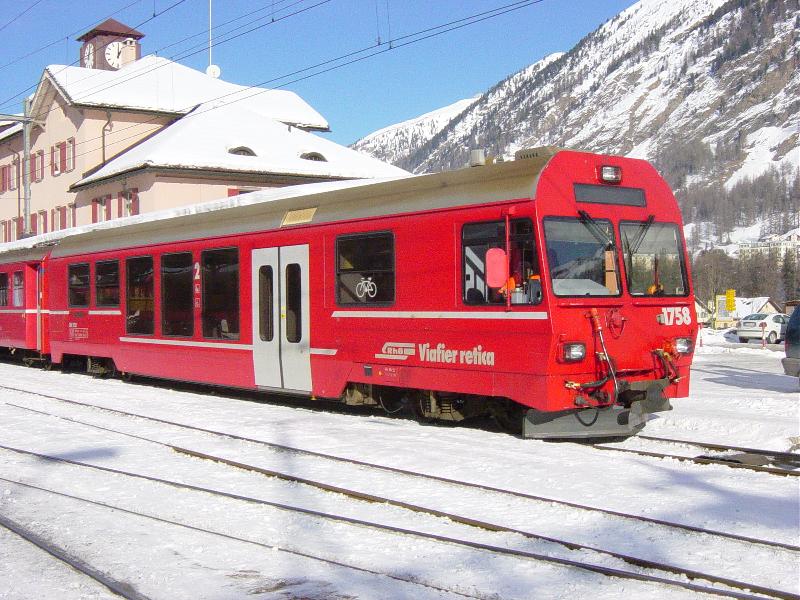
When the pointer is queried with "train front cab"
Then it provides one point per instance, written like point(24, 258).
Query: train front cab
point(616, 278)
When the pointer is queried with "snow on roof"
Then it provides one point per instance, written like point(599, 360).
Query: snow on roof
point(14, 129)
point(748, 306)
point(204, 140)
point(157, 84)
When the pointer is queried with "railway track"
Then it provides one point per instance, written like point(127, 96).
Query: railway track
point(690, 574)
point(786, 464)
point(406, 472)
point(463, 543)
point(119, 588)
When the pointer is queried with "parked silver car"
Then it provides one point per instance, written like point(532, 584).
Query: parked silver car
point(773, 327)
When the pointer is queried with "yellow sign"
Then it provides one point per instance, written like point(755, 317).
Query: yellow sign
point(730, 300)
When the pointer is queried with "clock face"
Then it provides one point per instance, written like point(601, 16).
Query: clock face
point(88, 56)
point(114, 55)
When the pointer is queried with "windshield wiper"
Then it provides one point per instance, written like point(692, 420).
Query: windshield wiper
point(633, 247)
point(601, 235)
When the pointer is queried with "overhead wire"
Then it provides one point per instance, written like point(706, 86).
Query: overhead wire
point(348, 58)
point(129, 30)
point(66, 37)
point(196, 49)
point(22, 14)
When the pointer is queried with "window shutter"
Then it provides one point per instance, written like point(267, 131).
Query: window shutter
point(3, 230)
point(69, 152)
point(73, 211)
point(34, 223)
point(94, 210)
point(62, 156)
point(63, 217)
point(120, 204)
point(2, 179)
point(133, 196)
point(107, 207)
point(233, 192)
point(53, 163)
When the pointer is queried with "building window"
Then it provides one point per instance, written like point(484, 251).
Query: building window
point(3, 289)
point(14, 175)
point(101, 209)
point(43, 220)
point(55, 165)
point(524, 282)
point(177, 313)
point(128, 202)
point(242, 151)
point(365, 269)
point(106, 283)
point(69, 164)
point(221, 293)
point(37, 166)
point(78, 285)
point(140, 301)
point(73, 214)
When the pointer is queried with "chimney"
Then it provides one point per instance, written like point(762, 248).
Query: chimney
point(128, 51)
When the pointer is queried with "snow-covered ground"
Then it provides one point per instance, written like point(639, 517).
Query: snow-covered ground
point(738, 396)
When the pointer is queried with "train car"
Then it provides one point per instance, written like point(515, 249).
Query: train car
point(552, 292)
point(23, 309)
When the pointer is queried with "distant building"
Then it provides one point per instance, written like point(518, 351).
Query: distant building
point(704, 313)
point(744, 306)
point(122, 134)
point(779, 245)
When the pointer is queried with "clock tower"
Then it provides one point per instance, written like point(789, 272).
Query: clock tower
point(110, 46)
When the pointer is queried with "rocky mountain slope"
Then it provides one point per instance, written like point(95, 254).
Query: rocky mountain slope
point(709, 90)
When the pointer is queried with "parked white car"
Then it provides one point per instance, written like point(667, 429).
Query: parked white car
point(750, 327)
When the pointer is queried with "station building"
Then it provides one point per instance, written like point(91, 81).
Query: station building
point(123, 134)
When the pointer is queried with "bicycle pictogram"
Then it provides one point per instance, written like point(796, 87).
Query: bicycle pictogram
point(366, 287)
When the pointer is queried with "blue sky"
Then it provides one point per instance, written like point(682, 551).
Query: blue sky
point(357, 99)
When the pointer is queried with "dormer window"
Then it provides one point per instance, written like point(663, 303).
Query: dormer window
point(316, 156)
point(242, 151)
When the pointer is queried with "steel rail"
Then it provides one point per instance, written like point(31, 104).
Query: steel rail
point(590, 567)
point(454, 482)
point(363, 496)
point(294, 552)
point(703, 460)
point(789, 457)
point(119, 588)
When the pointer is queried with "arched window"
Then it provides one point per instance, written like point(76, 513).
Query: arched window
point(241, 151)
point(313, 156)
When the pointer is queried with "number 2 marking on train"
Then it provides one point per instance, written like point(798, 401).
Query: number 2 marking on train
point(674, 315)
point(197, 271)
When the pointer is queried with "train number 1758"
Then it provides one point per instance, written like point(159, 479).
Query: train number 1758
point(675, 315)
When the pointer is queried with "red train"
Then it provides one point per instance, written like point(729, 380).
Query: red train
point(552, 292)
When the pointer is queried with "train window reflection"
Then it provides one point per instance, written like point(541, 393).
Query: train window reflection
point(177, 314)
point(78, 285)
point(581, 256)
point(221, 294)
point(365, 269)
point(140, 295)
point(19, 289)
point(523, 284)
point(653, 259)
point(106, 283)
point(3, 289)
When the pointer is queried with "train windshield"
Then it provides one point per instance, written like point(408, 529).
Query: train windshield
point(581, 256)
point(653, 258)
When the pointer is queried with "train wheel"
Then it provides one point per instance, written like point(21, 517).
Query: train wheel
point(510, 416)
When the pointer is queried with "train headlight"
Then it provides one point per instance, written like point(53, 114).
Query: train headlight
point(610, 174)
point(574, 352)
point(683, 345)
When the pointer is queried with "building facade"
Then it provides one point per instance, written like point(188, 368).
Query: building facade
point(123, 134)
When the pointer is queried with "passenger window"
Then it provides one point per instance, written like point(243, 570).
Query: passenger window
point(524, 281)
point(266, 304)
point(365, 269)
point(294, 304)
point(140, 295)
point(106, 283)
point(177, 313)
point(19, 289)
point(3, 289)
point(78, 282)
point(221, 294)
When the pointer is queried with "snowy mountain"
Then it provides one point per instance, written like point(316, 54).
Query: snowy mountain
point(395, 143)
point(709, 90)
